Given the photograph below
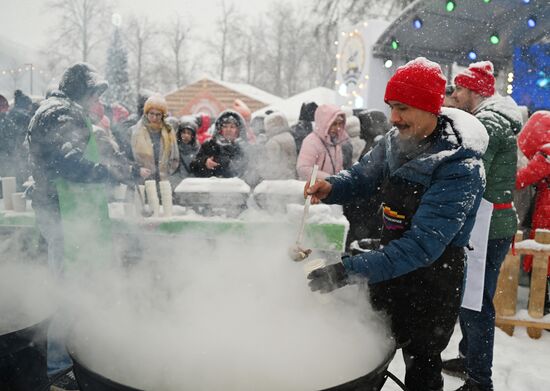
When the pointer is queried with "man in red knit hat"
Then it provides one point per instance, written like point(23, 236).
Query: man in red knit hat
point(427, 170)
point(501, 117)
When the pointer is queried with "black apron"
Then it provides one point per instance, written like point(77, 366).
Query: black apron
point(422, 305)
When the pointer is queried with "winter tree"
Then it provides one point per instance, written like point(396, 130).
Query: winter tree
point(228, 25)
point(81, 27)
point(254, 56)
point(177, 36)
point(116, 72)
point(139, 37)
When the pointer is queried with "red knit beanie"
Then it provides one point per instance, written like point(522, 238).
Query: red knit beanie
point(419, 83)
point(478, 78)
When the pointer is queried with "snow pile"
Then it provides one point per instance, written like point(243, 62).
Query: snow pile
point(519, 364)
point(290, 186)
point(275, 195)
point(531, 244)
point(212, 185)
point(319, 214)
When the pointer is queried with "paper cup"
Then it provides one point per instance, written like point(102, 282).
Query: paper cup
point(120, 192)
point(19, 203)
point(166, 204)
point(8, 188)
point(141, 189)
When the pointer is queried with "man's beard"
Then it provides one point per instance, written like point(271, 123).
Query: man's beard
point(408, 145)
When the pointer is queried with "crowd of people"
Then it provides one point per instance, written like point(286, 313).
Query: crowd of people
point(411, 192)
point(160, 146)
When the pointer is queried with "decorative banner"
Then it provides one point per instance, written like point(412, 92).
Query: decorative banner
point(351, 63)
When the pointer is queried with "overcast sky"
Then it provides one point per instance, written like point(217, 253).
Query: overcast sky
point(28, 21)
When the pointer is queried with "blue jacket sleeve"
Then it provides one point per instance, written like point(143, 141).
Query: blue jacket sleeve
point(441, 214)
point(361, 180)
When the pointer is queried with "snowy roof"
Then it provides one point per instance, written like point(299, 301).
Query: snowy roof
point(290, 107)
point(448, 37)
point(250, 90)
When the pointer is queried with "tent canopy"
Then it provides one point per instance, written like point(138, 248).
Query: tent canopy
point(448, 37)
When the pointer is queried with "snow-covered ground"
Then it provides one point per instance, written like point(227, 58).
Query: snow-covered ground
point(520, 363)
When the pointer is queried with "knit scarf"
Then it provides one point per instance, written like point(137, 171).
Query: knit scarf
point(142, 147)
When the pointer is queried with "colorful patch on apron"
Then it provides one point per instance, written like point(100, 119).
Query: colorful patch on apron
point(393, 220)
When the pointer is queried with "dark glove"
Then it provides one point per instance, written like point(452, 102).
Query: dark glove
point(328, 278)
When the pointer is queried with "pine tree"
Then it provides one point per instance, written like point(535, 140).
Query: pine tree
point(117, 72)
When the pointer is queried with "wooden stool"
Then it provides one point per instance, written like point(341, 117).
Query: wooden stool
point(507, 287)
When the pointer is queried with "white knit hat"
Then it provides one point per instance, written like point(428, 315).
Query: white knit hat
point(353, 126)
point(276, 123)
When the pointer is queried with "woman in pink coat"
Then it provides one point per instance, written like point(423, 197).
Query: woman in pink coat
point(534, 142)
point(323, 146)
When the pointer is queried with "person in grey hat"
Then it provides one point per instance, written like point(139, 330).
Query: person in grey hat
point(279, 160)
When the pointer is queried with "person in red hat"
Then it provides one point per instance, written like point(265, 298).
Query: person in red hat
point(534, 142)
point(501, 117)
point(428, 172)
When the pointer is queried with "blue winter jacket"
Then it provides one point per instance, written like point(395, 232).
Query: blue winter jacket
point(452, 172)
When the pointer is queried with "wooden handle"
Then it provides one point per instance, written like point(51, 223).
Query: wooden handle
point(306, 206)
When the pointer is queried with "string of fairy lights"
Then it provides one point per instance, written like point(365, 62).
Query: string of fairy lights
point(417, 24)
point(20, 69)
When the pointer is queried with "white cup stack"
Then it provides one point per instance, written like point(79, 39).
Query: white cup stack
point(8, 188)
point(152, 196)
point(166, 197)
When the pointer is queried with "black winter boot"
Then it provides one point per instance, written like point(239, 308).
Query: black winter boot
point(472, 385)
point(455, 367)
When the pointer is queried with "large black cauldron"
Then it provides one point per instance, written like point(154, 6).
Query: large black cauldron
point(23, 358)
point(373, 381)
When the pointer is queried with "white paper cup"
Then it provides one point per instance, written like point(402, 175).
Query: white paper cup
point(152, 197)
point(120, 192)
point(8, 188)
point(151, 190)
point(166, 203)
point(141, 189)
point(19, 203)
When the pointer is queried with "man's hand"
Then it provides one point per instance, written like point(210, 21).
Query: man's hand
point(328, 278)
point(144, 172)
point(319, 191)
point(211, 163)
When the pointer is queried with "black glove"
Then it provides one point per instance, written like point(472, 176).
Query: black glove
point(328, 278)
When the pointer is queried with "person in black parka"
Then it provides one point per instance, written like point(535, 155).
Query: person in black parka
point(365, 215)
point(304, 125)
point(224, 154)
